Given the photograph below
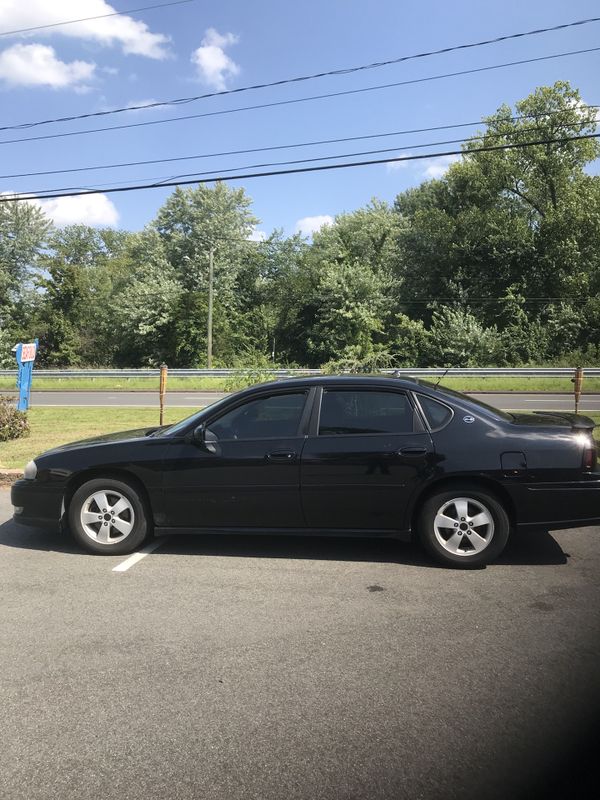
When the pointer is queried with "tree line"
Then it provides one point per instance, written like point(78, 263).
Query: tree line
point(495, 263)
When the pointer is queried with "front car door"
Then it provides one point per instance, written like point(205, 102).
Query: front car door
point(248, 474)
point(366, 452)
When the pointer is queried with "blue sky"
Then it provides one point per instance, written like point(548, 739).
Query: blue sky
point(187, 49)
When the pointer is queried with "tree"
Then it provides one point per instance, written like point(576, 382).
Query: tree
point(521, 222)
point(191, 223)
point(74, 302)
point(23, 230)
point(149, 298)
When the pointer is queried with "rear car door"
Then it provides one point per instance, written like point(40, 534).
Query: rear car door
point(366, 452)
point(249, 475)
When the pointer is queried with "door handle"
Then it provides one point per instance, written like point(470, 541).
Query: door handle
point(281, 455)
point(413, 451)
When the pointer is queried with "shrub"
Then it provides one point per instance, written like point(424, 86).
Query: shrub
point(13, 423)
point(245, 379)
point(354, 362)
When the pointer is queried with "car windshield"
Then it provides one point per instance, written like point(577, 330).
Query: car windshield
point(495, 412)
point(187, 422)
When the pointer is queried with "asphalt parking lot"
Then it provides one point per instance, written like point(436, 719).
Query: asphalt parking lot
point(293, 668)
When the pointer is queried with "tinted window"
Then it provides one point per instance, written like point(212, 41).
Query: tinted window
point(496, 412)
point(437, 414)
point(365, 412)
point(267, 417)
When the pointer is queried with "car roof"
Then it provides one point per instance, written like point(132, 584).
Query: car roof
point(345, 380)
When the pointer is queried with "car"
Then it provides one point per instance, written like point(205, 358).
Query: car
point(326, 455)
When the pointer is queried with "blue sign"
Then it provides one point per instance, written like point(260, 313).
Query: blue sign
point(25, 355)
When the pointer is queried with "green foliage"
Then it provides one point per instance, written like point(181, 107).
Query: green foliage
point(457, 339)
point(7, 358)
point(13, 423)
point(355, 362)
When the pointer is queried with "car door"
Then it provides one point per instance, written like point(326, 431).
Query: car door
point(247, 474)
point(366, 452)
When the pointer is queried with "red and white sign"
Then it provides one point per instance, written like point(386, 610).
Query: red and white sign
point(28, 352)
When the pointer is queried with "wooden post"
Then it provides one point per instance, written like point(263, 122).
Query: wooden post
point(577, 384)
point(162, 389)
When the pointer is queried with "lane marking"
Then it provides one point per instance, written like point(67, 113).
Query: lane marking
point(133, 559)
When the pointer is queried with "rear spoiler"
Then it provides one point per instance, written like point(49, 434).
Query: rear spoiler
point(578, 422)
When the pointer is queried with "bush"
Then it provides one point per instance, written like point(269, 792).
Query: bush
point(245, 379)
point(352, 361)
point(13, 423)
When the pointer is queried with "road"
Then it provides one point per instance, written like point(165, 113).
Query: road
point(260, 668)
point(520, 402)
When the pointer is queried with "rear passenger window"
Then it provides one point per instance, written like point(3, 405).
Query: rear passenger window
point(437, 414)
point(347, 412)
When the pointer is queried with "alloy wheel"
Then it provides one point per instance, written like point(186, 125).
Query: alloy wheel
point(464, 526)
point(107, 517)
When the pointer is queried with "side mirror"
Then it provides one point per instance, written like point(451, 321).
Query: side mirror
point(205, 438)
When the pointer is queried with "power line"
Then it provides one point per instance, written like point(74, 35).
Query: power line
point(44, 194)
point(161, 180)
point(122, 13)
point(302, 99)
point(298, 79)
point(246, 151)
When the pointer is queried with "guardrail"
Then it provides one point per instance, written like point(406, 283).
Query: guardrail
point(531, 372)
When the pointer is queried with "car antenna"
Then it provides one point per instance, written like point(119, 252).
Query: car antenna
point(441, 378)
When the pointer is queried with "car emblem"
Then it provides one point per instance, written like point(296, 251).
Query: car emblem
point(468, 419)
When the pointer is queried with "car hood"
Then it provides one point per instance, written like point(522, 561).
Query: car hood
point(554, 419)
point(106, 438)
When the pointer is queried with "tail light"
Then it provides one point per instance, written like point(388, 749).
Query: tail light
point(589, 457)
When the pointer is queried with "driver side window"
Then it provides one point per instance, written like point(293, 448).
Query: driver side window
point(273, 417)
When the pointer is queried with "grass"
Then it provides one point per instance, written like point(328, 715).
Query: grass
point(57, 425)
point(174, 384)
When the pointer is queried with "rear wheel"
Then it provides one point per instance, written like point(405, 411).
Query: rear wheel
point(107, 516)
point(464, 527)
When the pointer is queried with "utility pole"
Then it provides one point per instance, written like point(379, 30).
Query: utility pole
point(210, 308)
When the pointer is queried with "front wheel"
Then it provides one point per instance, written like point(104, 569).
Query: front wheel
point(463, 527)
point(107, 516)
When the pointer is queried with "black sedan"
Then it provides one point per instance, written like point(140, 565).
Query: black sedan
point(376, 456)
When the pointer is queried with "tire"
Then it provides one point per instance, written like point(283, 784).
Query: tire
point(108, 517)
point(448, 530)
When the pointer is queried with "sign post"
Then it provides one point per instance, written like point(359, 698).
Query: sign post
point(162, 389)
point(25, 355)
point(577, 386)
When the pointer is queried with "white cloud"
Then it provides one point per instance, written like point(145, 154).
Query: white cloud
point(436, 167)
point(89, 209)
point(213, 64)
point(257, 236)
point(37, 65)
point(393, 166)
point(309, 225)
point(132, 35)
point(582, 105)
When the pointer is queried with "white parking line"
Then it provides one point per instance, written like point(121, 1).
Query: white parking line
point(133, 559)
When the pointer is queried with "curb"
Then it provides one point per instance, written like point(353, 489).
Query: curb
point(9, 476)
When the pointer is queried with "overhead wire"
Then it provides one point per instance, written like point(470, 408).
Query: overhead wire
point(296, 100)
point(162, 179)
point(48, 194)
point(318, 142)
point(297, 79)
